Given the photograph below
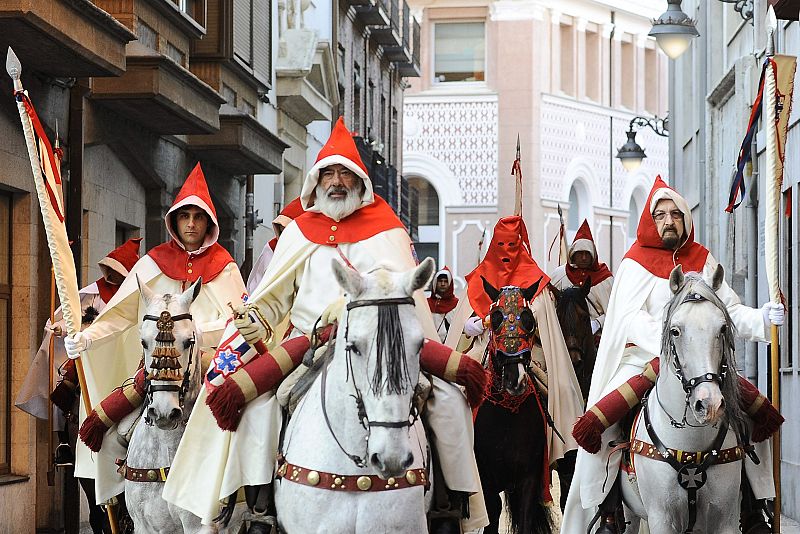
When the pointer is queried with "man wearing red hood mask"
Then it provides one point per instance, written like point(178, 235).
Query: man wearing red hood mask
point(632, 337)
point(442, 301)
point(582, 263)
point(342, 220)
point(111, 344)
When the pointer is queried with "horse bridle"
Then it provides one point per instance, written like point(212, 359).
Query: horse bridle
point(366, 423)
point(165, 322)
point(690, 384)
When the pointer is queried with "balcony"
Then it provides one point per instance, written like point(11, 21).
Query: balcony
point(305, 77)
point(160, 95)
point(400, 51)
point(373, 13)
point(242, 145)
point(410, 69)
point(389, 35)
point(64, 38)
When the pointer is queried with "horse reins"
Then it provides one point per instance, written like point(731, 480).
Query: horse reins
point(165, 323)
point(366, 423)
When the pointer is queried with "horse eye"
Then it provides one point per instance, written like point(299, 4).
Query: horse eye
point(527, 320)
point(144, 344)
point(497, 319)
point(723, 329)
point(188, 343)
point(675, 331)
point(352, 348)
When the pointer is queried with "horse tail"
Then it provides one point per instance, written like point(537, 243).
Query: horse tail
point(526, 509)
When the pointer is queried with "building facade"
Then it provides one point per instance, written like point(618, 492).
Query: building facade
point(566, 77)
point(712, 89)
point(137, 92)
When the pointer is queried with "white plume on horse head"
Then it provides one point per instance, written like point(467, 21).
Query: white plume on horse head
point(168, 346)
point(383, 336)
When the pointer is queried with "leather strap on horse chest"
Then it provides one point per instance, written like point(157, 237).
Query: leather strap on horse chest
point(335, 482)
point(154, 474)
point(725, 456)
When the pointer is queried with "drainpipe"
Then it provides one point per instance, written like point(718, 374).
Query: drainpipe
point(711, 236)
point(611, 139)
point(74, 204)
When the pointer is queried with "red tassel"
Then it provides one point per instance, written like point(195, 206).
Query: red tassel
point(766, 419)
point(472, 376)
point(226, 403)
point(92, 432)
point(64, 396)
point(588, 432)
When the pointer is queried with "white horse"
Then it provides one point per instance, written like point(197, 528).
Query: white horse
point(174, 378)
point(355, 459)
point(686, 453)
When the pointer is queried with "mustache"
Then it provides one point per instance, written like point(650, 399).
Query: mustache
point(336, 190)
point(669, 229)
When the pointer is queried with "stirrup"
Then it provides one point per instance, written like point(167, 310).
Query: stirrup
point(63, 456)
point(262, 521)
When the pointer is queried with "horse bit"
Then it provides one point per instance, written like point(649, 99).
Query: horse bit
point(366, 423)
point(166, 363)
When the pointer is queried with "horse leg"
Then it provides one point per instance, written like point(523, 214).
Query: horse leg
point(566, 469)
point(261, 505)
point(752, 518)
point(494, 507)
point(98, 519)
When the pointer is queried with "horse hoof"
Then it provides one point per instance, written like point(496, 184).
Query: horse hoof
point(268, 525)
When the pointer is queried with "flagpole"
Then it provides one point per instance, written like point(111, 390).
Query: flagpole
point(771, 226)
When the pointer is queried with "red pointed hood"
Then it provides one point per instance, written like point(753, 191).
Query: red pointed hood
point(195, 192)
point(122, 258)
point(340, 149)
point(446, 302)
point(508, 262)
point(648, 249)
point(584, 241)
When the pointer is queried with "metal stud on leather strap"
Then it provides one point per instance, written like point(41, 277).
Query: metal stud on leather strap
point(364, 483)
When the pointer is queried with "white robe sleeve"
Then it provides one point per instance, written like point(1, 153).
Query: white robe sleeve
point(748, 321)
point(599, 296)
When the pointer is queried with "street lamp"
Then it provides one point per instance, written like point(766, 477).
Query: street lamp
point(745, 8)
point(673, 30)
point(631, 153)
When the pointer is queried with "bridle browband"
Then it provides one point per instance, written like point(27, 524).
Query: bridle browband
point(165, 323)
point(366, 423)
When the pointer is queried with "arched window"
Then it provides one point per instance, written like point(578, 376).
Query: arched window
point(573, 217)
point(429, 233)
point(633, 217)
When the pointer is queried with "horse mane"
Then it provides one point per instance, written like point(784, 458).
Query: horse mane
point(391, 346)
point(695, 283)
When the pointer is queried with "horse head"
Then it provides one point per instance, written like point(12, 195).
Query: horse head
point(168, 339)
point(572, 309)
point(382, 339)
point(511, 336)
point(697, 345)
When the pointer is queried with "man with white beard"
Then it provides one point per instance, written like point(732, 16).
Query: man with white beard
point(343, 220)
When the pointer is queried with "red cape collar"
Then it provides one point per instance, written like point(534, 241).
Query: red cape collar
point(598, 272)
point(179, 265)
point(442, 305)
point(106, 289)
point(362, 224)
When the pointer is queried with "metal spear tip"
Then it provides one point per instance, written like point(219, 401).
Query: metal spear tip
point(772, 20)
point(14, 68)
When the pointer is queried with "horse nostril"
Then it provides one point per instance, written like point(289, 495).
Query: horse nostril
point(698, 406)
point(175, 414)
point(408, 461)
point(375, 460)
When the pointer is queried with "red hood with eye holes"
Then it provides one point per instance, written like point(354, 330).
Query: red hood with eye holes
point(508, 262)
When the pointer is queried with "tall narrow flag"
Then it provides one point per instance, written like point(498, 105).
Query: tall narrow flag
point(516, 171)
point(561, 237)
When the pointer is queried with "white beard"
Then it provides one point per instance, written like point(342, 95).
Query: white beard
point(334, 208)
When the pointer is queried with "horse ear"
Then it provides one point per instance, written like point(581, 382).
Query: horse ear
point(191, 293)
point(147, 293)
point(718, 278)
point(490, 290)
point(530, 292)
point(553, 289)
point(586, 286)
point(676, 279)
point(348, 278)
point(422, 274)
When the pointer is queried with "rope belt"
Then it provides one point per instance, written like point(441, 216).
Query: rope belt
point(151, 474)
point(331, 481)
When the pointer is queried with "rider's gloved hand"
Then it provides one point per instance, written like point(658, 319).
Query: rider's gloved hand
point(774, 313)
point(332, 312)
point(248, 325)
point(474, 326)
point(595, 326)
point(76, 343)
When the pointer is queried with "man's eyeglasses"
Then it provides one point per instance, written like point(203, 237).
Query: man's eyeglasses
point(675, 215)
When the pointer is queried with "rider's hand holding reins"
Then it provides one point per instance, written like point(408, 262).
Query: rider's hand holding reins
point(251, 327)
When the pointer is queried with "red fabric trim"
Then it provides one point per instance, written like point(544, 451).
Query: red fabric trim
point(40, 133)
point(598, 272)
point(649, 252)
point(106, 289)
point(360, 225)
point(174, 262)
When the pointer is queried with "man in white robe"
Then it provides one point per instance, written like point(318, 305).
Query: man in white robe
point(442, 302)
point(632, 337)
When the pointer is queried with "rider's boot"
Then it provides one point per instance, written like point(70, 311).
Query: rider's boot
point(752, 518)
point(609, 511)
point(261, 507)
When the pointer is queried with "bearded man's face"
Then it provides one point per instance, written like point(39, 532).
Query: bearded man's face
point(669, 223)
point(338, 192)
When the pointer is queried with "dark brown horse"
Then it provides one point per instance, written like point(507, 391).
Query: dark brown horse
point(572, 309)
point(510, 436)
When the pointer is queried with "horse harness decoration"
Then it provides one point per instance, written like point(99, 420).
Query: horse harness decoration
point(166, 363)
point(332, 481)
point(691, 467)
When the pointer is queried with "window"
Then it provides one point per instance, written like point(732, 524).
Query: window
point(594, 72)
point(628, 78)
point(5, 328)
point(356, 98)
point(633, 218)
point(459, 52)
point(567, 59)
point(787, 347)
point(573, 217)
point(251, 35)
point(651, 85)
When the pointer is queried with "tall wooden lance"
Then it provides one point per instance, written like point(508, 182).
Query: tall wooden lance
point(778, 89)
point(516, 171)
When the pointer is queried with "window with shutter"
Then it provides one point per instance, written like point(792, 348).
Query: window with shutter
point(243, 30)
